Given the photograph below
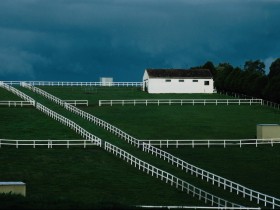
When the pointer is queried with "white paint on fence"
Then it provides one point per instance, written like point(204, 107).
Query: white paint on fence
point(213, 178)
point(212, 142)
point(179, 101)
point(220, 181)
point(76, 102)
point(85, 134)
point(58, 83)
point(265, 102)
point(49, 143)
point(168, 178)
point(198, 207)
point(141, 165)
point(16, 103)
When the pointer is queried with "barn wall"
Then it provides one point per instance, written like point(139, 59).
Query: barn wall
point(157, 85)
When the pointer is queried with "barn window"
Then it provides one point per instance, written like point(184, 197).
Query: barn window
point(195, 80)
point(181, 80)
point(168, 80)
point(206, 82)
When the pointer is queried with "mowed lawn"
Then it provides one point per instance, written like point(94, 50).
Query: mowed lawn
point(257, 168)
point(72, 178)
point(175, 121)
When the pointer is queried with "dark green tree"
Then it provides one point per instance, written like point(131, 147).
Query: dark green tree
point(274, 69)
point(272, 90)
point(209, 65)
point(223, 71)
point(255, 66)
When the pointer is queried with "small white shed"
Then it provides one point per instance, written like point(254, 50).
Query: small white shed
point(178, 81)
point(106, 81)
point(268, 131)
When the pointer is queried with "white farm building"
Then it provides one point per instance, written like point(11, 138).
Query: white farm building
point(178, 81)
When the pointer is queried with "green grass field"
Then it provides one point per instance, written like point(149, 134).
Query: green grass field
point(151, 122)
point(198, 122)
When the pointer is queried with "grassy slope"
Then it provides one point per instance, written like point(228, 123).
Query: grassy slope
point(257, 168)
point(185, 122)
point(86, 177)
point(103, 134)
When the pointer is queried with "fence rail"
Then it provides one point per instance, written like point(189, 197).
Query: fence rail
point(213, 142)
point(266, 199)
point(16, 103)
point(179, 101)
point(49, 143)
point(215, 179)
point(78, 129)
point(238, 95)
point(84, 115)
point(57, 83)
point(77, 102)
point(198, 207)
point(168, 178)
point(164, 176)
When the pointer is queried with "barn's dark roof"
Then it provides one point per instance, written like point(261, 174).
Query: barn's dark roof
point(179, 73)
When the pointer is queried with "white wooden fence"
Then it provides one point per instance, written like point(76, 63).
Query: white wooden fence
point(198, 207)
point(168, 178)
point(49, 143)
point(84, 115)
point(238, 95)
point(212, 142)
point(57, 83)
point(78, 129)
point(266, 200)
point(222, 182)
point(77, 102)
point(179, 101)
point(164, 176)
point(16, 92)
point(16, 103)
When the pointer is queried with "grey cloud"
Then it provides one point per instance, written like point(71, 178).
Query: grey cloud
point(70, 39)
point(19, 63)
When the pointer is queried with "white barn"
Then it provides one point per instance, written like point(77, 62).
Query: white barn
point(178, 81)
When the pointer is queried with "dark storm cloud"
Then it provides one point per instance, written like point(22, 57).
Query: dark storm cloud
point(86, 39)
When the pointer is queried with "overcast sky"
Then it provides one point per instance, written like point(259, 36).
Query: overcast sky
point(82, 40)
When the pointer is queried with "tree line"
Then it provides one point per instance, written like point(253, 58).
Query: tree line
point(250, 80)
